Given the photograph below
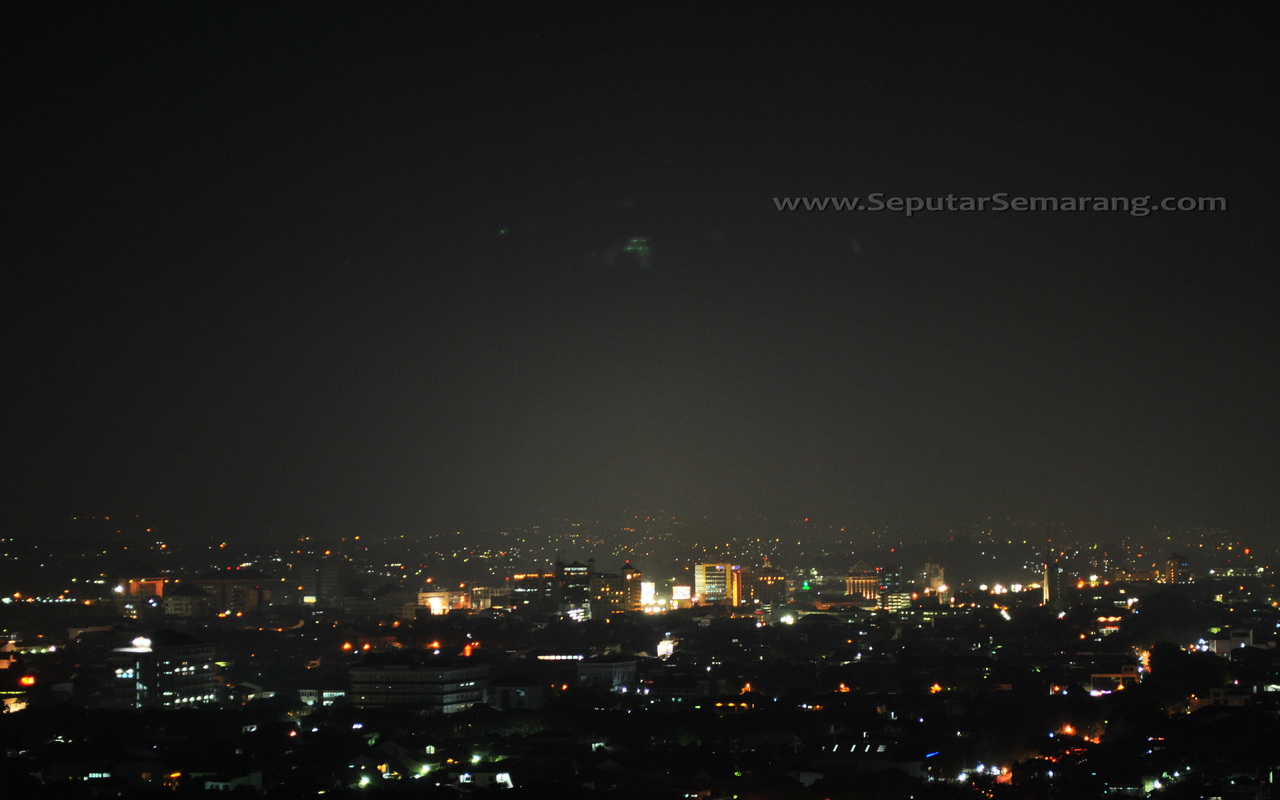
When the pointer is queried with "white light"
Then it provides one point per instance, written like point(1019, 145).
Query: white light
point(142, 643)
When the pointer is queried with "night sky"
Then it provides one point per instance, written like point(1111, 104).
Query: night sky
point(360, 269)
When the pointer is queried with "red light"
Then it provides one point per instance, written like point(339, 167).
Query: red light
point(27, 680)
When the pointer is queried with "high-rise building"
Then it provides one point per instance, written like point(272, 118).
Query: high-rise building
point(893, 591)
point(1177, 569)
point(718, 583)
point(767, 586)
point(935, 581)
point(633, 587)
point(608, 594)
point(165, 669)
point(535, 591)
point(577, 575)
point(1054, 588)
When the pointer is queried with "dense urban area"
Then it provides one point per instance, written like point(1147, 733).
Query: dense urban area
point(645, 656)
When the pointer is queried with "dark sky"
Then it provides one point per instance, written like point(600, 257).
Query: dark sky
point(353, 269)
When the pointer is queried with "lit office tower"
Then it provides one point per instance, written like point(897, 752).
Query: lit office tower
point(768, 586)
point(1177, 569)
point(166, 669)
point(893, 592)
point(608, 594)
point(577, 575)
point(535, 591)
point(1054, 585)
point(935, 580)
point(576, 585)
point(631, 578)
point(718, 583)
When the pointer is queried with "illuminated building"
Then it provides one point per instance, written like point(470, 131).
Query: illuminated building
point(165, 669)
point(437, 602)
point(633, 588)
point(892, 591)
point(1177, 569)
point(1235, 639)
point(144, 587)
point(767, 585)
point(139, 579)
point(321, 697)
point(1054, 588)
point(575, 588)
point(895, 601)
point(935, 581)
point(426, 683)
point(863, 581)
point(482, 597)
point(577, 575)
point(535, 591)
point(608, 594)
point(139, 590)
point(718, 583)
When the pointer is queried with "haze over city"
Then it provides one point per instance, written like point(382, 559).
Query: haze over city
point(332, 272)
